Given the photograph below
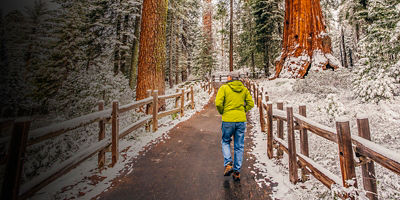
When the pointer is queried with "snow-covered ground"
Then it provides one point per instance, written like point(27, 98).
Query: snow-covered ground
point(86, 181)
point(327, 96)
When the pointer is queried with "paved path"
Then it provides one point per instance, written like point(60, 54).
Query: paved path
point(189, 165)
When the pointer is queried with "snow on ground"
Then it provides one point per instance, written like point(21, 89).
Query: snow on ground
point(327, 97)
point(86, 182)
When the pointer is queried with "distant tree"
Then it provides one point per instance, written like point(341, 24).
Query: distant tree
point(268, 18)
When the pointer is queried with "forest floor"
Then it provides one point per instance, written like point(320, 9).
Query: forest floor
point(189, 165)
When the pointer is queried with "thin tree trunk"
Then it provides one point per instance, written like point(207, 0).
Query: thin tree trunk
point(170, 77)
point(151, 73)
point(222, 40)
point(117, 58)
point(266, 61)
point(135, 53)
point(253, 66)
point(231, 37)
point(177, 49)
point(123, 52)
point(344, 50)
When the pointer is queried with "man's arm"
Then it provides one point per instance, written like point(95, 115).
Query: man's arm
point(249, 101)
point(219, 100)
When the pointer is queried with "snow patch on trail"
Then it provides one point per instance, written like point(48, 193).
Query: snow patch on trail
point(269, 171)
point(87, 182)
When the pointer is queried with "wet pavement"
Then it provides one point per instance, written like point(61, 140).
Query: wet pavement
point(189, 165)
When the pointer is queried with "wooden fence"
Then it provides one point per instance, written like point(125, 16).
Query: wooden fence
point(367, 151)
point(22, 137)
point(223, 77)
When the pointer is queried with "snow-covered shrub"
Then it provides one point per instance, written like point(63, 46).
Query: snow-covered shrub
point(83, 89)
point(333, 107)
point(395, 72)
point(323, 82)
point(372, 84)
point(373, 80)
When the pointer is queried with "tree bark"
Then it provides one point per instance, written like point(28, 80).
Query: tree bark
point(171, 35)
point(266, 60)
point(231, 37)
point(207, 21)
point(135, 53)
point(177, 54)
point(152, 48)
point(344, 50)
point(306, 44)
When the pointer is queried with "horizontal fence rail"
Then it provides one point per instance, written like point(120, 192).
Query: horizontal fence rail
point(365, 150)
point(21, 137)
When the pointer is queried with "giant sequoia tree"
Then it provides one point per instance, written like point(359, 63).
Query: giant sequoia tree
point(152, 48)
point(306, 45)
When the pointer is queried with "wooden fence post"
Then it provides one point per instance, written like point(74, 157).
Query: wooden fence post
point(220, 78)
point(262, 93)
point(270, 137)
point(257, 96)
point(192, 96)
point(347, 166)
point(368, 169)
point(293, 174)
point(15, 161)
point(148, 105)
point(101, 159)
point(303, 142)
point(279, 124)
point(182, 102)
point(262, 117)
point(254, 90)
point(155, 110)
point(115, 133)
point(177, 99)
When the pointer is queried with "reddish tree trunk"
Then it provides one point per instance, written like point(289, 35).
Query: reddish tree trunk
point(231, 37)
point(152, 48)
point(306, 45)
point(207, 23)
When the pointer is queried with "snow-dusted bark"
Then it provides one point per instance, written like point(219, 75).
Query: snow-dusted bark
point(306, 44)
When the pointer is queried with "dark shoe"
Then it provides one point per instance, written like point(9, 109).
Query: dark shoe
point(228, 169)
point(236, 176)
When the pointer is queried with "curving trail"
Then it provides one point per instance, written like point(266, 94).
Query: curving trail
point(189, 165)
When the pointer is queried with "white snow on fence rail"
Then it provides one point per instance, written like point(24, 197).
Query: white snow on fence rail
point(322, 169)
point(315, 124)
point(167, 96)
point(123, 131)
point(64, 166)
point(392, 155)
point(69, 124)
point(135, 103)
point(279, 113)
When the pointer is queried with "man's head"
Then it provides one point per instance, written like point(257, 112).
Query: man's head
point(233, 76)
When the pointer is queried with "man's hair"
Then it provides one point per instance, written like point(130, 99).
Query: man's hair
point(234, 75)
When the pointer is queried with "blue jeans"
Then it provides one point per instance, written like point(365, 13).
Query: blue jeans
point(235, 129)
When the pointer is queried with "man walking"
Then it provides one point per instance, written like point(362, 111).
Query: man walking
point(233, 101)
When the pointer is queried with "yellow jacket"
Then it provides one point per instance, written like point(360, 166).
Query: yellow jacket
point(233, 101)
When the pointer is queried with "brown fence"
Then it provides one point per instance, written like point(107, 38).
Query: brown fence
point(21, 138)
point(367, 151)
point(222, 77)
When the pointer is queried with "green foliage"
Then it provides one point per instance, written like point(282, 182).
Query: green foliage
point(374, 74)
point(261, 37)
point(205, 58)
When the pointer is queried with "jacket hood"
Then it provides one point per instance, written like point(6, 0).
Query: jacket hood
point(236, 86)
